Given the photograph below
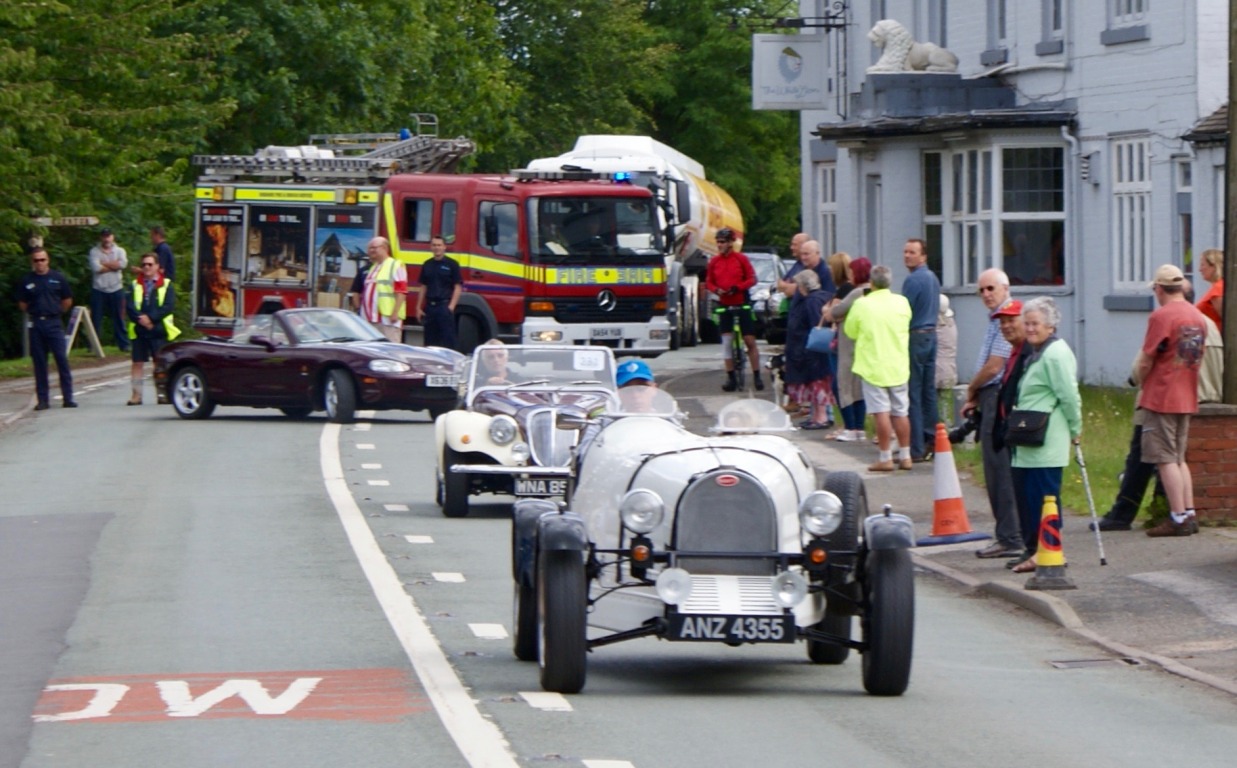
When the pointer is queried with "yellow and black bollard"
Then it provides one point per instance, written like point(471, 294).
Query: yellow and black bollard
point(1049, 557)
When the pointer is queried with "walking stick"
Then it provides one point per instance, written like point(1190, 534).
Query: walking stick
point(1095, 521)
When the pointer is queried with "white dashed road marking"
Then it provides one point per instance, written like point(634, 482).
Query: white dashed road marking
point(489, 631)
point(608, 764)
point(451, 578)
point(478, 739)
point(365, 446)
point(414, 539)
point(548, 702)
point(362, 427)
point(371, 466)
point(395, 507)
point(378, 482)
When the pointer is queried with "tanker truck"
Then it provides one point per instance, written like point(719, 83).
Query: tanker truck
point(693, 209)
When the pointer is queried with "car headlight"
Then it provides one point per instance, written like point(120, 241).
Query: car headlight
point(674, 586)
point(820, 514)
point(503, 429)
point(389, 366)
point(641, 511)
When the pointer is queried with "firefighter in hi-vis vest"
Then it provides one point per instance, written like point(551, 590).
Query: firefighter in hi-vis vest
point(149, 308)
point(386, 290)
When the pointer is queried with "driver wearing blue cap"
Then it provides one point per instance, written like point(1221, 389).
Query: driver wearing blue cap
point(634, 372)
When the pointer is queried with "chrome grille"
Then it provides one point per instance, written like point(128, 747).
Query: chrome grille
point(549, 446)
point(726, 511)
point(731, 595)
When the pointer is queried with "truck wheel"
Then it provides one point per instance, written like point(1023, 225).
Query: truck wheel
point(468, 334)
point(339, 397)
point(562, 606)
point(525, 622)
point(691, 324)
point(454, 486)
point(888, 622)
point(189, 396)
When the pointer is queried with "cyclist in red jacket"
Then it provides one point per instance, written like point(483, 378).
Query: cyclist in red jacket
point(730, 275)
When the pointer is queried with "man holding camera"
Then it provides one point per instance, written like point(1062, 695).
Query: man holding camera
point(981, 396)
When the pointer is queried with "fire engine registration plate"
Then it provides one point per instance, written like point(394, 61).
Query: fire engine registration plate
point(540, 486)
point(732, 629)
point(442, 380)
point(606, 333)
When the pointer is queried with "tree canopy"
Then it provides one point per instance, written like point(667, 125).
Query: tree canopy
point(102, 104)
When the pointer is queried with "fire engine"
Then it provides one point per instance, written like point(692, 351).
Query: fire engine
point(546, 256)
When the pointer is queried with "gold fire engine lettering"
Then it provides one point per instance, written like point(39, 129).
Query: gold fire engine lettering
point(603, 276)
point(299, 195)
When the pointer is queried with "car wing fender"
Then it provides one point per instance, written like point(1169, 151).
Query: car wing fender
point(888, 531)
point(562, 532)
point(525, 515)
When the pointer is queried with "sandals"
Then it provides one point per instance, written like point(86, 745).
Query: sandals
point(812, 425)
point(1026, 566)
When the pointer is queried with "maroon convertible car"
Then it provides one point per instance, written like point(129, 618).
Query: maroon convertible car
point(305, 360)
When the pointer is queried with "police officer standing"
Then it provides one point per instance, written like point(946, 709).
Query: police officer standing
point(44, 295)
point(436, 305)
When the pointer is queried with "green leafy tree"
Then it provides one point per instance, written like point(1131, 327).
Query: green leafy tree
point(100, 107)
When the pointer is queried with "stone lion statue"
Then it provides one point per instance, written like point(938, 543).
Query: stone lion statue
point(903, 54)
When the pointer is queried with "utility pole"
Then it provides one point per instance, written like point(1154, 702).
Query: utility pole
point(1229, 331)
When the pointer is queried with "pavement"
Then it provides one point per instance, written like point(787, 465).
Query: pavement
point(1169, 602)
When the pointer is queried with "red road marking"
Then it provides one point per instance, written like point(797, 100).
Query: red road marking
point(372, 695)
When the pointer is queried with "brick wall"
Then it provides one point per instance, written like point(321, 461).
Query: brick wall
point(1212, 456)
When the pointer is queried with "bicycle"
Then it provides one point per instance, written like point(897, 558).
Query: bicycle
point(738, 349)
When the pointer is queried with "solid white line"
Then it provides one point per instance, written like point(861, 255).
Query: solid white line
point(414, 539)
point(449, 577)
point(1211, 597)
point(489, 631)
point(546, 702)
point(478, 739)
point(395, 507)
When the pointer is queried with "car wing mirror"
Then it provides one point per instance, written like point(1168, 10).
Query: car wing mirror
point(263, 341)
point(571, 418)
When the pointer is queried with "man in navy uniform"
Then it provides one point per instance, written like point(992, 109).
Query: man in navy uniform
point(44, 295)
point(436, 305)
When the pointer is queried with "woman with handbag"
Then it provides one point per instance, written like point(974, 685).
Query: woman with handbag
point(1047, 415)
point(850, 387)
point(807, 370)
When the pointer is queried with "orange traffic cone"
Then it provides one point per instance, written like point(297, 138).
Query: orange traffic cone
point(949, 522)
point(1049, 557)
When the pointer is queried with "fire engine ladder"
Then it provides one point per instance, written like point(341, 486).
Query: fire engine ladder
point(387, 155)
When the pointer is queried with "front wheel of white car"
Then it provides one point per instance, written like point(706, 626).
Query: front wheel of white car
point(888, 622)
point(562, 607)
point(820, 652)
point(454, 486)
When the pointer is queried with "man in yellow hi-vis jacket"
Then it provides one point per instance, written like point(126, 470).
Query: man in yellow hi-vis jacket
point(386, 290)
point(149, 308)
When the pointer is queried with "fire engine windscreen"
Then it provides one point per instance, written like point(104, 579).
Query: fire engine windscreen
point(579, 229)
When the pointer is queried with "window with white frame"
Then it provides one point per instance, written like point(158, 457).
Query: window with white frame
point(1014, 196)
point(1127, 12)
point(1184, 208)
point(1131, 212)
point(827, 210)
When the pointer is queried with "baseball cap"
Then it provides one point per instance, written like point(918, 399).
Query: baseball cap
point(633, 370)
point(1012, 309)
point(1168, 275)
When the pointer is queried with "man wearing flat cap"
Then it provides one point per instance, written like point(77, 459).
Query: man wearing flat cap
point(1167, 370)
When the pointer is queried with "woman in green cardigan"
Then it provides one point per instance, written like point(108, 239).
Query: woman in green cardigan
point(1050, 384)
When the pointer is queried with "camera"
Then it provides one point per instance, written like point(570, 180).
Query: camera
point(960, 432)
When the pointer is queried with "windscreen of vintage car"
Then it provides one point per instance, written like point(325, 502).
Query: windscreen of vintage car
point(307, 326)
point(643, 400)
point(581, 230)
point(540, 367)
point(751, 416)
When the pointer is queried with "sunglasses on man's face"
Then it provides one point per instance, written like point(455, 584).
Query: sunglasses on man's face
point(149, 264)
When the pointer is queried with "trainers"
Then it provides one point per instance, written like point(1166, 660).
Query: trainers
point(1192, 521)
point(758, 382)
point(847, 436)
point(1170, 528)
point(1108, 524)
point(881, 466)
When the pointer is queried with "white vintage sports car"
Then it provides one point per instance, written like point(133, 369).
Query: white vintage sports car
point(506, 439)
point(732, 538)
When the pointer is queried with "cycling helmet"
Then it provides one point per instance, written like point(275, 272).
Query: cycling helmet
point(725, 233)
